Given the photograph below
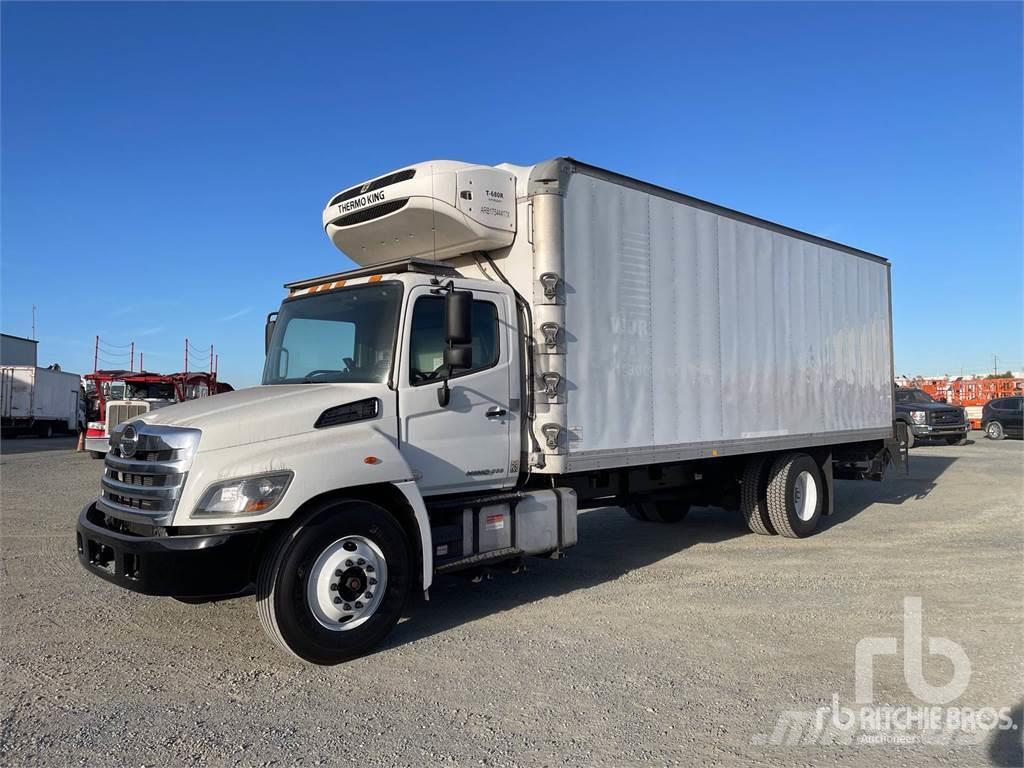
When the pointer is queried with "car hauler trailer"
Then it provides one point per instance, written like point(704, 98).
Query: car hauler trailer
point(517, 344)
point(40, 401)
point(116, 396)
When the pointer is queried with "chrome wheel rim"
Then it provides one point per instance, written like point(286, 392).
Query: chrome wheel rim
point(805, 496)
point(347, 583)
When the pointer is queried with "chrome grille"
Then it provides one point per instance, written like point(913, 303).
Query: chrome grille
point(947, 416)
point(118, 413)
point(146, 486)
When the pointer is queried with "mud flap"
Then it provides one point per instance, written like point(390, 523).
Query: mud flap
point(896, 452)
point(825, 465)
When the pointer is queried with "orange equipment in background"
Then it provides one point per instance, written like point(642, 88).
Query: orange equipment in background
point(971, 393)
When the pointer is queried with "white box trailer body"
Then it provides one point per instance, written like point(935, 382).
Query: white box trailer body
point(681, 329)
point(687, 328)
point(39, 398)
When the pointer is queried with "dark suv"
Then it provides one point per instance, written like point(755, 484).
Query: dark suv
point(927, 418)
point(1003, 418)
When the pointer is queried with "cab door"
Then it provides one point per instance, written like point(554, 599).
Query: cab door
point(466, 445)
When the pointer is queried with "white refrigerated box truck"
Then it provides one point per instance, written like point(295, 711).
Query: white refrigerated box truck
point(518, 343)
point(40, 401)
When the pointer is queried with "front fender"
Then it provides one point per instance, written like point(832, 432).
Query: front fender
point(323, 461)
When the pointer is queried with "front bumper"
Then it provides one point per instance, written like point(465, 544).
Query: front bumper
point(944, 430)
point(219, 561)
point(97, 444)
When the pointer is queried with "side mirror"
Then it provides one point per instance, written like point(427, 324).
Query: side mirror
point(458, 337)
point(458, 357)
point(268, 332)
point(458, 318)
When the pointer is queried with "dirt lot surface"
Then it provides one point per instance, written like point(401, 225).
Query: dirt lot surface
point(680, 644)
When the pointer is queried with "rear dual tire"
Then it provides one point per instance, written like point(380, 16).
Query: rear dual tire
point(651, 510)
point(333, 585)
point(753, 496)
point(795, 495)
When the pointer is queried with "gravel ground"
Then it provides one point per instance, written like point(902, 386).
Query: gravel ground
point(647, 644)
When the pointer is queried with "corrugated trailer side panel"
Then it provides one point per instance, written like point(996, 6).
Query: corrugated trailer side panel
point(685, 326)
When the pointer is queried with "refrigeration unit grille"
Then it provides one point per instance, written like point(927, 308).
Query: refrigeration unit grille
point(369, 214)
point(362, 189)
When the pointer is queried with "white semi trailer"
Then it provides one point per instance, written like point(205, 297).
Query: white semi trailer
point(518, 343)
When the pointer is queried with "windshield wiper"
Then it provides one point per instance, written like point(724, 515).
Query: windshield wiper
point(310, 377)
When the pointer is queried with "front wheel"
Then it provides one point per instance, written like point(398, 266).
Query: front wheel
point(334, 584)
point(994, 431)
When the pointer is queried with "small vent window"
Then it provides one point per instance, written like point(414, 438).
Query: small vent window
point(362, 189)
point(369, 214)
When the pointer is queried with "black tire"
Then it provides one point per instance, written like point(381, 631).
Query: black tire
point(44, 431)
point(651, 510)
point(281, 584)
point(636, 511)
point(96, 454)
point(753, 496)
point(994, 431)
point(783, 498)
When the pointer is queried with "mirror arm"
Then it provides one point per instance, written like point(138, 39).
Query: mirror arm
point(444, 394)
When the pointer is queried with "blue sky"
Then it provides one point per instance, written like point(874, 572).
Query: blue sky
point(164, 166)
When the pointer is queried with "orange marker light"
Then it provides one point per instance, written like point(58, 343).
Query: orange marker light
point(371, 460)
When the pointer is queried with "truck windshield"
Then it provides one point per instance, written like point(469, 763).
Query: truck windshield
point(345, 335)
point(913, 396)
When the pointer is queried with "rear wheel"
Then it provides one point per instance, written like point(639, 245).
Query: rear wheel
point(334, 584)
point(994, 431)
point(654, 510)
point(753, 498)
point(794, 494)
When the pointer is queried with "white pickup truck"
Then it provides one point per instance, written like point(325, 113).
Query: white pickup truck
point(518, 343)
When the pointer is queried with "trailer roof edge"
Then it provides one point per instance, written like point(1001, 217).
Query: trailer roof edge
point(671, 194)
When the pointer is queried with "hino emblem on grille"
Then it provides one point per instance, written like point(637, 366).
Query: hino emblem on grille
point(129, 441)
point(362, 189)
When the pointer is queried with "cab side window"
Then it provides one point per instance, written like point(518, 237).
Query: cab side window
point(426, 348)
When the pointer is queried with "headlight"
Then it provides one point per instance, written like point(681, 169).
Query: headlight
point(244, 495)
point(918, 417)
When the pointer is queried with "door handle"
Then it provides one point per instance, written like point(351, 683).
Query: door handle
point(495, 412)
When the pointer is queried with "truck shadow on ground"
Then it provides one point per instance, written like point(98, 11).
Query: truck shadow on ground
point(611, 544)
point(1005, 747)
point(853, 496)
